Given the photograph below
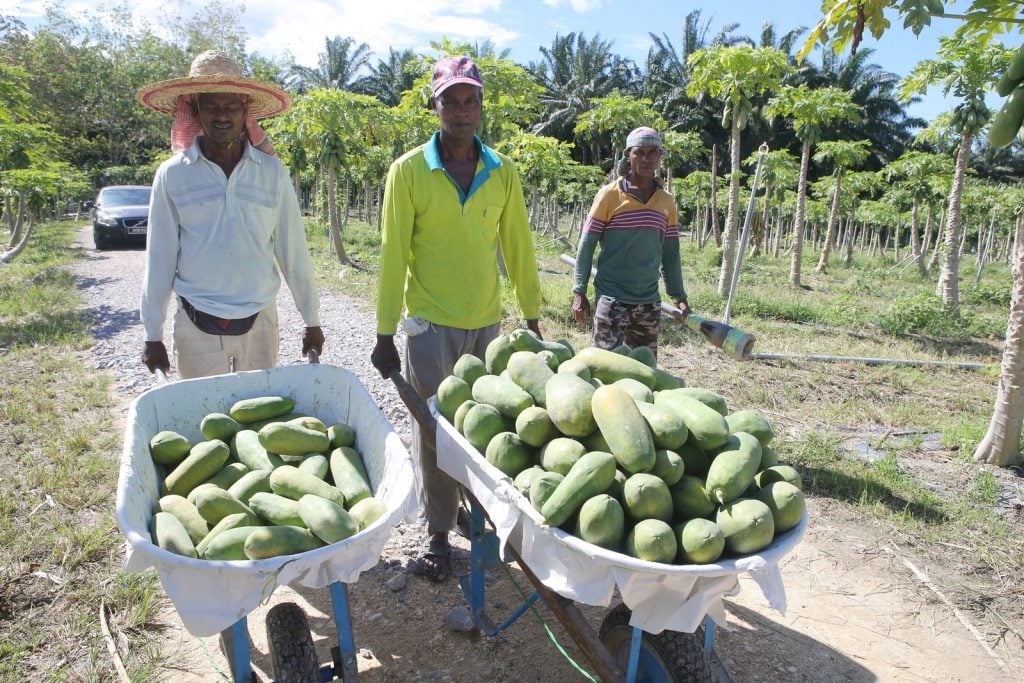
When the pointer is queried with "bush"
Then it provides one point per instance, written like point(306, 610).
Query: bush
point(989, 293)
point(922, 314)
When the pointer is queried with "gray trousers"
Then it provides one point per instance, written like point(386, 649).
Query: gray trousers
point(430, 357)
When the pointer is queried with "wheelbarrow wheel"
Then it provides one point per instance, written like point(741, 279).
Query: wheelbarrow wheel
point(292, 654)
point(669, 657)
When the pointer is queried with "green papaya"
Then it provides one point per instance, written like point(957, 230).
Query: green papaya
point(469, 368)
point(509, 453)
point(733, 468)
point(452, 392)
point(568, 399)
point(530, 373)
point(647, 497)
point(534, 426)
point(497, 353)
point(624, 428)
point(747, 524)
point(504, 394)
point(701, 541)
point(589, 476)
point(652, 540)
point(601, 521)
point(786, 503)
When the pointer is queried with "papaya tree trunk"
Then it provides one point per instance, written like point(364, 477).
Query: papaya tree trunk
point(729, 238)
point(949, 285)
point(801, 212)
point(332, 212)
point(915, 240)
point(714, 197)
point(1001, 444)
point(833, 220)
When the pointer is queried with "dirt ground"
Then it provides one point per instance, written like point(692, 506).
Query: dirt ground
point(861, 607)
point(858, 610)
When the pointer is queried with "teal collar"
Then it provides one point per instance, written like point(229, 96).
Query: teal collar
point(488, 157)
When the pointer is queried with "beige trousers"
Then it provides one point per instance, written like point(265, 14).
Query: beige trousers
point(198, 354)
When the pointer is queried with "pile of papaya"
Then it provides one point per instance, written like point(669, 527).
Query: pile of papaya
point(1009, 120)
point(621, 453)
point(265, 481)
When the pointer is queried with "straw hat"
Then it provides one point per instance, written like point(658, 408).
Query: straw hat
point(214, 71)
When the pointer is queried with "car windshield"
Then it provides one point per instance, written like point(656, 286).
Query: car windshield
point(125, 196)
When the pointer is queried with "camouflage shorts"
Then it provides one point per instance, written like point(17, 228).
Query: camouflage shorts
point(616, 323)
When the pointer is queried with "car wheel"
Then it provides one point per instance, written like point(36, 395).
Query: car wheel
point(100, 241)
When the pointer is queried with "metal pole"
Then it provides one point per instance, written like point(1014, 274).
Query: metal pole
point(761, 151)
point(869, 361)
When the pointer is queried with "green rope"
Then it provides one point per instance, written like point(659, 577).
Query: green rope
point(493, 546)
point(209, 657)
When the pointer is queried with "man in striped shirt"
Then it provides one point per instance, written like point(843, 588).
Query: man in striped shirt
point(635, 222)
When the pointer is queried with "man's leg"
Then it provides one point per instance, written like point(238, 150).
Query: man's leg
point(609, 319)
point(196, 353)
point(643, 325)
point(429, 358)
point(258, 348)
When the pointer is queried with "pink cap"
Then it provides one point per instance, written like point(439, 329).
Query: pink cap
point(452, 70)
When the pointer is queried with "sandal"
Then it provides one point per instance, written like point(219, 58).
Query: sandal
point(436, 561)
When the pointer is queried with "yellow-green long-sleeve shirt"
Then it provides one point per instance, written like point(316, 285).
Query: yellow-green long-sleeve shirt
point(439, 244)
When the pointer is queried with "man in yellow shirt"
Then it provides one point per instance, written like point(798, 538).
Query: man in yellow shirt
point(448, 204)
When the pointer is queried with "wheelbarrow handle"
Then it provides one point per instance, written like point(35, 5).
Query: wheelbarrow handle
point(417, 406)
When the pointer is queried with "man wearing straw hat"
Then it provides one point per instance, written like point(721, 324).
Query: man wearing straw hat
point(223, 218)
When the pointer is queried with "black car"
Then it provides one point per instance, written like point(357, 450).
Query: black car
point(120, 214)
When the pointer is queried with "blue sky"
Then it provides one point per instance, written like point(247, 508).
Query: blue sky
point(300, 26)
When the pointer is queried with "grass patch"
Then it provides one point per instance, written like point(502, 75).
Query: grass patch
point(59, 449)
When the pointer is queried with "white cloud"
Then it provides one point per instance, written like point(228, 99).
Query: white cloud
point(399, 24)
point(578, 6)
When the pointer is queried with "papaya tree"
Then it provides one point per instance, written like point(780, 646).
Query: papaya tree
point(966, 68)
point(542, 163)
point(810, 111)
point(914, 171)
point(734, 75)
point(843, 155)
point(612, 118)
point(337, 127)
point(843, 21)
point(778, 170)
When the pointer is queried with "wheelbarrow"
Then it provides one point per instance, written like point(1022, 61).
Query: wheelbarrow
point(214, 597)
point(655, 634)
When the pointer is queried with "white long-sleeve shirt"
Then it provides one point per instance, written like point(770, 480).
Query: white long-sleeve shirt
point(214, 239)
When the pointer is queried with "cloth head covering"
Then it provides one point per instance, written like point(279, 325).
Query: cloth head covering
point(213, 71)
point(452, 70)
point(643, 136)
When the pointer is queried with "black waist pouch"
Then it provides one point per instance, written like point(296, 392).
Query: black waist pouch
point(211, 324)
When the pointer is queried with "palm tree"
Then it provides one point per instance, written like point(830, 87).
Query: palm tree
point(810, 111)
point(389, 79)
point(968, 68)
point(667, 72)
point(339, 65)
point(844, 155)
point(574, 72)
point(875, 91)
